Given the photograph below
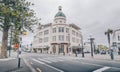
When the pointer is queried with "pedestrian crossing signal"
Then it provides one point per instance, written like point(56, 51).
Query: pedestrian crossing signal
point(16, 45)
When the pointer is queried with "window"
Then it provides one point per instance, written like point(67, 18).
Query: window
point(40, 40)
point(54, 38)
point(61, 37)
point(77, 34)
point(77, 40)
point(46, 39)
point(67, 30)
point(73, 32)
point(61, 29)
point(54, 30)
point(46, 32)
point(40, 33)
point(67, 38)
point(73, 39)
point(60, 21)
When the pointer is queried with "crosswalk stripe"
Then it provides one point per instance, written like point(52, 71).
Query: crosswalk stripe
point(49, 59)
point(48, 65)
point(38, 61)
point(58, 59)
point(55, 59)
point(63, 58)
point(44, 60)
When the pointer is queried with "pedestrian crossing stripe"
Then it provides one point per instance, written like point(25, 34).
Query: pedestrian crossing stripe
point(44, 60)
point(49, 59)
point(57, 59)
point(53, 59)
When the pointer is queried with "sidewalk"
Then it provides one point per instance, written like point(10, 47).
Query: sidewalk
point(97, 56)
point(10, 64)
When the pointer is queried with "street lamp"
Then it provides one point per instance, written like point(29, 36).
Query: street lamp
point(10, 42)
point(91, 42)
point(20, 40)
point(69, 44)
point(82, 46)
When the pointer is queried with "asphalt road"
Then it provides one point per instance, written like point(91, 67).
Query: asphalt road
point(60, 63)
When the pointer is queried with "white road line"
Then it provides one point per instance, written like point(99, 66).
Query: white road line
point(6, 59)
point(56, 59)
point(48, 65)
point(44, 60)
point(102, 69)
point(63, 58)
point(50, 60)
point(31, 68)
point(38, 61)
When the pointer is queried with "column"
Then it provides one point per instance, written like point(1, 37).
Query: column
point(65, 49)
point(57, 49)
point(51, 49)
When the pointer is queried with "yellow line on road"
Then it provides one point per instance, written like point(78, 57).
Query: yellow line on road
point(30, 63)
point(39, 70)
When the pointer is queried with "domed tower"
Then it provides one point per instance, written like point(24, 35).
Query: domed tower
point(60, 17)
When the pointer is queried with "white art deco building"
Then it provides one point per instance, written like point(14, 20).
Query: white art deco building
point(57, 37)
point(116, 41)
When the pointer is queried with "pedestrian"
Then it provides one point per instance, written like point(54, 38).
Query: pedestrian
point(76, 52)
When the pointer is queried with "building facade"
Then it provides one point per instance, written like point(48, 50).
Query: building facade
point(57, 37)
point(116, 41)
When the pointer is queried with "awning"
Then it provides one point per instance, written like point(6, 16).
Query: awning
point(75, 47)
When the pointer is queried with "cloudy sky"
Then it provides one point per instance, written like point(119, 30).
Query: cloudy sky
point(93, 16)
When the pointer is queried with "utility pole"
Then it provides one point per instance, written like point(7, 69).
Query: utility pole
point(91, 42)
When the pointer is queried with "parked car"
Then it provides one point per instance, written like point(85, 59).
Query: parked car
point(103, 52)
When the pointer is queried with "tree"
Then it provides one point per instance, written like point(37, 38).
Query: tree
point(11, 14)
point(108, 32)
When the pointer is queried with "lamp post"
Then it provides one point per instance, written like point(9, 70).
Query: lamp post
point(91, 42)
point(82, 46)
point(10, 42)
point(20, 40)
point(69, 44)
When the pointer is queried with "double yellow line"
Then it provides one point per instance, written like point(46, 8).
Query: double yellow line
point(39, 70)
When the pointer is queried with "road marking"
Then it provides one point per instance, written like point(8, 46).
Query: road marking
point(44, 60)
point(38, 61)
point(102, 69)
point(6, 59)
point(91, 64)
point(50, 60)
point(56, 59)
point(31, 68)
point(39, 69)
point(48, 65)
point(30, 62)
